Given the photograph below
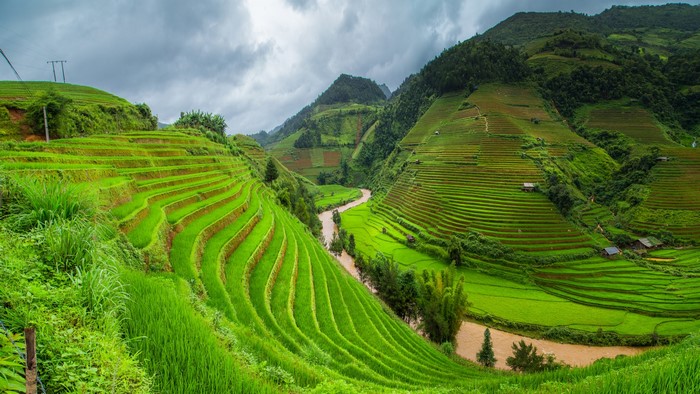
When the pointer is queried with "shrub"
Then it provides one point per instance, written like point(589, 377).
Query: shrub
point(34, 202)
point(526, 359)
point(204, 121)
point(447, 348)
point(70, 245)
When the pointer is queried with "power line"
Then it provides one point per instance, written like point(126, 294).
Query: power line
point(15, 71)
point(46, 125)
point(53, 66)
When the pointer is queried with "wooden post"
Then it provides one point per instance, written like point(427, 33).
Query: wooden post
point(31, 373)
point(46, 125)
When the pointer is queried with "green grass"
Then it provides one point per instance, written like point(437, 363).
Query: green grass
point(335, 195)
point(180, 347)
point(500, 297)
point(17, 91)
point(255, 304)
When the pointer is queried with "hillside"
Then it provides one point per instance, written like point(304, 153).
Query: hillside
point(670, 26)
point(233, 294)
point(328, 132)
point(539, 179)
point(72, 110)
point(345, 89)
point(461, 169)
point(529, 174)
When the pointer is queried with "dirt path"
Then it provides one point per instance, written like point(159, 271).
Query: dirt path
point(328, 228)
point(471, 335)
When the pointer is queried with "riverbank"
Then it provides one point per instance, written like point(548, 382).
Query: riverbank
point(471, 335)
point(328, 228)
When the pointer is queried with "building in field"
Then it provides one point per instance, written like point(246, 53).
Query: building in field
point(410, 238)
point(611, 251)
point(528, 187)
point(647, 243)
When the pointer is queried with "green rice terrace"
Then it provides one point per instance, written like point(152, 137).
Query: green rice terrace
point(463, 166)
point(339, 130)
point(539, 180)
point(236, 295)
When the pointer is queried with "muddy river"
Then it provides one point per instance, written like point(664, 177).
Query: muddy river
point(471, 334)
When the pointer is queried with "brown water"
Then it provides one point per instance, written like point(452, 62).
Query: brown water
point(471, 335)
point(329, 228)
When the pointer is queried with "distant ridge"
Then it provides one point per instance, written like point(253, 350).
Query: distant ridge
point(345, 89)
point(526, 26)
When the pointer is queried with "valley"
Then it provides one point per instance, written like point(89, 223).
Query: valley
point(537, 182)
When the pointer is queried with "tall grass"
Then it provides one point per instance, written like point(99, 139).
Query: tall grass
point(32, 202)
point(70, 244)
point(179, 346)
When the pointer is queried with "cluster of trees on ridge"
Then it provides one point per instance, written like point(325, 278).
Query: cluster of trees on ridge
point(68, 118)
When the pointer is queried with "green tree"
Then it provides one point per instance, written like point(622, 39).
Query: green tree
point(442, 303)
point(351, 245)
point(147, 115)
point(454, 251)
point(336, 217)
point(271, 172)
point(336, 245)
point(525, 358)
point(344, 177)
point(485, 356)
point(204, 121)
point(57, 107)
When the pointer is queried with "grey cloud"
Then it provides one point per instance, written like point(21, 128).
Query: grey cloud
point(256, 62)
point(302, 5)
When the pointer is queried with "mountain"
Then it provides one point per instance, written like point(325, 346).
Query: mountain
point(345, 89)
point(666, 27)
point(386, 90)
point(330, 131)
point(551, 179)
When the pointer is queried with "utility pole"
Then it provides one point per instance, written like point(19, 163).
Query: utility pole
point(46, 125)
point(53, 66)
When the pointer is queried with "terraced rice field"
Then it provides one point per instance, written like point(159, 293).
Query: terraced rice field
point(258, 266)
point(674, 201)
point(468, 175)
point(620, 284)
point(634, 122)
point(579, 295)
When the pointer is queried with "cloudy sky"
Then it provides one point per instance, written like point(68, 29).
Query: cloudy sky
point(256, 62)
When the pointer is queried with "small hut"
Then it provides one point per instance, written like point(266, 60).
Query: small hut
point(410, 238)
point(662, 158)
point(437, 132)
point(647, 243)
point(611, 251)
point(528, 187)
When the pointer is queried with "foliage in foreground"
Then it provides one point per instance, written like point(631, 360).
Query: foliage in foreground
point(58, 273)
